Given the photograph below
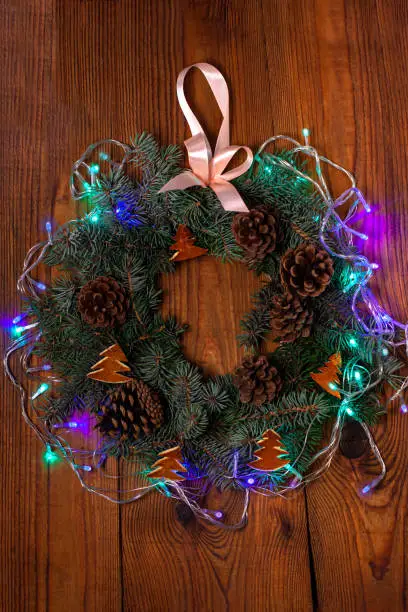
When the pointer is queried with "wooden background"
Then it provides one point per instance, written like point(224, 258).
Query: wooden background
point(77, 71)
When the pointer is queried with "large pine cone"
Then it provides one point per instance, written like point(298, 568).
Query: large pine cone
point(102, 302)
point(307, 270)
point(290, 317)
point(257, 380)
point(255, 232)
point(130, 410)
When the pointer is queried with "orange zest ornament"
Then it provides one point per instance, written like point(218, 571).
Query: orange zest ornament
point(271, 455)
point(184, 245)
point(328, 375)
point(109, 369)
point(169, 466)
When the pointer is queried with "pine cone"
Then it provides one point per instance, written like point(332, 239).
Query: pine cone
point(102, 302)
point(257, 380)
point(129, 410)
point(290, 317)
point(307, 270)
point(255, 231)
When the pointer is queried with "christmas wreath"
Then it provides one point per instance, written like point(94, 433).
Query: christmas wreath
point(113, 381)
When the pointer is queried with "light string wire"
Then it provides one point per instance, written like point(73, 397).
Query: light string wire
point(382, 326)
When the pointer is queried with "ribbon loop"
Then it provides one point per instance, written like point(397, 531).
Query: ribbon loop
point(206, 168)
point(222, 159)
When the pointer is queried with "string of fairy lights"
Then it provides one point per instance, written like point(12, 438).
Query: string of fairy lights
point(381, 326)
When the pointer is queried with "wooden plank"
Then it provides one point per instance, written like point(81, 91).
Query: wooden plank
point(84, 530)
point(264, 567)
point(358, 543)
point(25, 90)
point(62, 545)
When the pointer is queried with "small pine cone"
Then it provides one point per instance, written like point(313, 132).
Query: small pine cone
point(255, 232)
point(102, 302)
point(307, 270)
point(290, 317)
point(257, 380)
point(130, 410)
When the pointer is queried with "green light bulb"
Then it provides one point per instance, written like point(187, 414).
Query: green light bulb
point(49, 455)
point(94, 169)
point(344, 406)
point(16, 331)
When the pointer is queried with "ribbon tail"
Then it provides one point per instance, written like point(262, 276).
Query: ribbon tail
point(184, 180)
point(228, 196)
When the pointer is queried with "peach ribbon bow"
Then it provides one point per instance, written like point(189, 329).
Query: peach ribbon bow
point(207, 170)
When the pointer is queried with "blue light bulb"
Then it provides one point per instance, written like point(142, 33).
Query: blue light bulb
point(85, 468)
point(18, 318)
point(41, 389)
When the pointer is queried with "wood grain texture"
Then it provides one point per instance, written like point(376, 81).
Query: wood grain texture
point(76, 71)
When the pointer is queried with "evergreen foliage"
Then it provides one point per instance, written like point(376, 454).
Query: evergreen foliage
point(130, 241)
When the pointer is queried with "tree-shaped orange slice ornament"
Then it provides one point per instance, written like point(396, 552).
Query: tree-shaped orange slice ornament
point(109, 369)
point(184, 245)
point(328, 375)
point(271, 455)
point(169, 466)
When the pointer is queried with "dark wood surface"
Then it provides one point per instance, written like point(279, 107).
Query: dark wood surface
point(76, 71)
